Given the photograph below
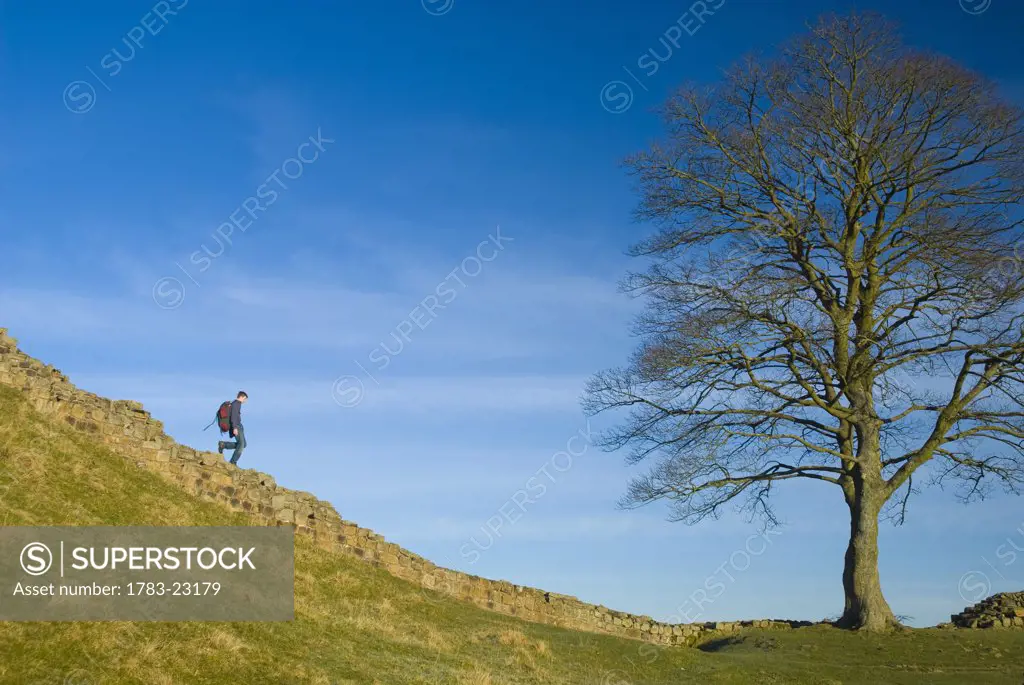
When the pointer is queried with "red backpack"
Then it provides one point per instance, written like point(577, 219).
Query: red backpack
point(223, 417)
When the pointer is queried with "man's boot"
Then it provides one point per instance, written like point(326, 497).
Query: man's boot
point(220, 447)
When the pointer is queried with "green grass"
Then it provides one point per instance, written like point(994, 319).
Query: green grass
point(357, 624)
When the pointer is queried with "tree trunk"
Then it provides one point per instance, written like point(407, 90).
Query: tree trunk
point(866, 608)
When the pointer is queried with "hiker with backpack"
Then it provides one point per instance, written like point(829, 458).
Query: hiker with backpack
point(229, 420)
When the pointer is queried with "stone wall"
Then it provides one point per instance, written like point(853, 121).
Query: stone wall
point(1004, 610)
point(130, 431)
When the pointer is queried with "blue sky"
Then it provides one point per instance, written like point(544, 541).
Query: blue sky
point(441, 126)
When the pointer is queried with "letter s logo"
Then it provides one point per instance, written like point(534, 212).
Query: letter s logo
point(36, 558)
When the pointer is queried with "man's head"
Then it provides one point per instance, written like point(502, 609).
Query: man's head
point(242, 397)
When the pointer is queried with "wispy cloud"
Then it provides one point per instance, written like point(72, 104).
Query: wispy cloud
point(513, 313)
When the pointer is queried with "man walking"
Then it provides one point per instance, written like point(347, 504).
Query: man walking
point(235, 429)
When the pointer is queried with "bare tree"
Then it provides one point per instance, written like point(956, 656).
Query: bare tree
point(833, 291)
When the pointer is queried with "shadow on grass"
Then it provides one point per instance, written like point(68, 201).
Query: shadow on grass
point(718, 645)
point(764, 643)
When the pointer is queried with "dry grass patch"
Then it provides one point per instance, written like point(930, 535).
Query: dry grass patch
point(522, 651)
point(477, 676)
point(436, 638)
point(222, 639)
point(513, 637)
point(380, 616)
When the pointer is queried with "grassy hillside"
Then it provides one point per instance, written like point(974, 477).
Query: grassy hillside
point(356, 624)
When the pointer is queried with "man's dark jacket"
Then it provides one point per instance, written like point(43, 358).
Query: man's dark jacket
point(236, 416)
